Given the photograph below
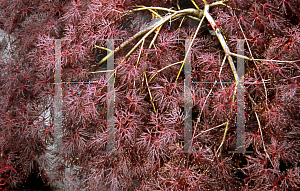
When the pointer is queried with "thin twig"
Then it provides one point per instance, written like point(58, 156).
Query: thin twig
point(218, 3)
point(210, 129)
point(149, 93)
point(224, 136)
point(195, 4)
point(101, 71)
point(190, 46)
point(256, 115)
point(260, 129)
point(154, 38)
point(164, 69)
point(198, 119)
point(230, 60)
point(138, 60)
point(103, 48)
point(141, 50)
point(223, 62)
point(262, 60)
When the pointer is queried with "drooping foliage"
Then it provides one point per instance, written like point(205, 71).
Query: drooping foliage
point(149, 99)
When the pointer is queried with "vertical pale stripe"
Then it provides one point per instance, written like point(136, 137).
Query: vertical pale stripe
point(188, 128)
point(58, 98)
point(110, 99)
point(240, 144)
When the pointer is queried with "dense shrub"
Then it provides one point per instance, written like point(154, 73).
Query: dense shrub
point(149, 114)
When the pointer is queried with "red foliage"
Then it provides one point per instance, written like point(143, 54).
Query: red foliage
point(150, 141)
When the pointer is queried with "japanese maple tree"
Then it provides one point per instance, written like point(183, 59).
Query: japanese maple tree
point(149, 88)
